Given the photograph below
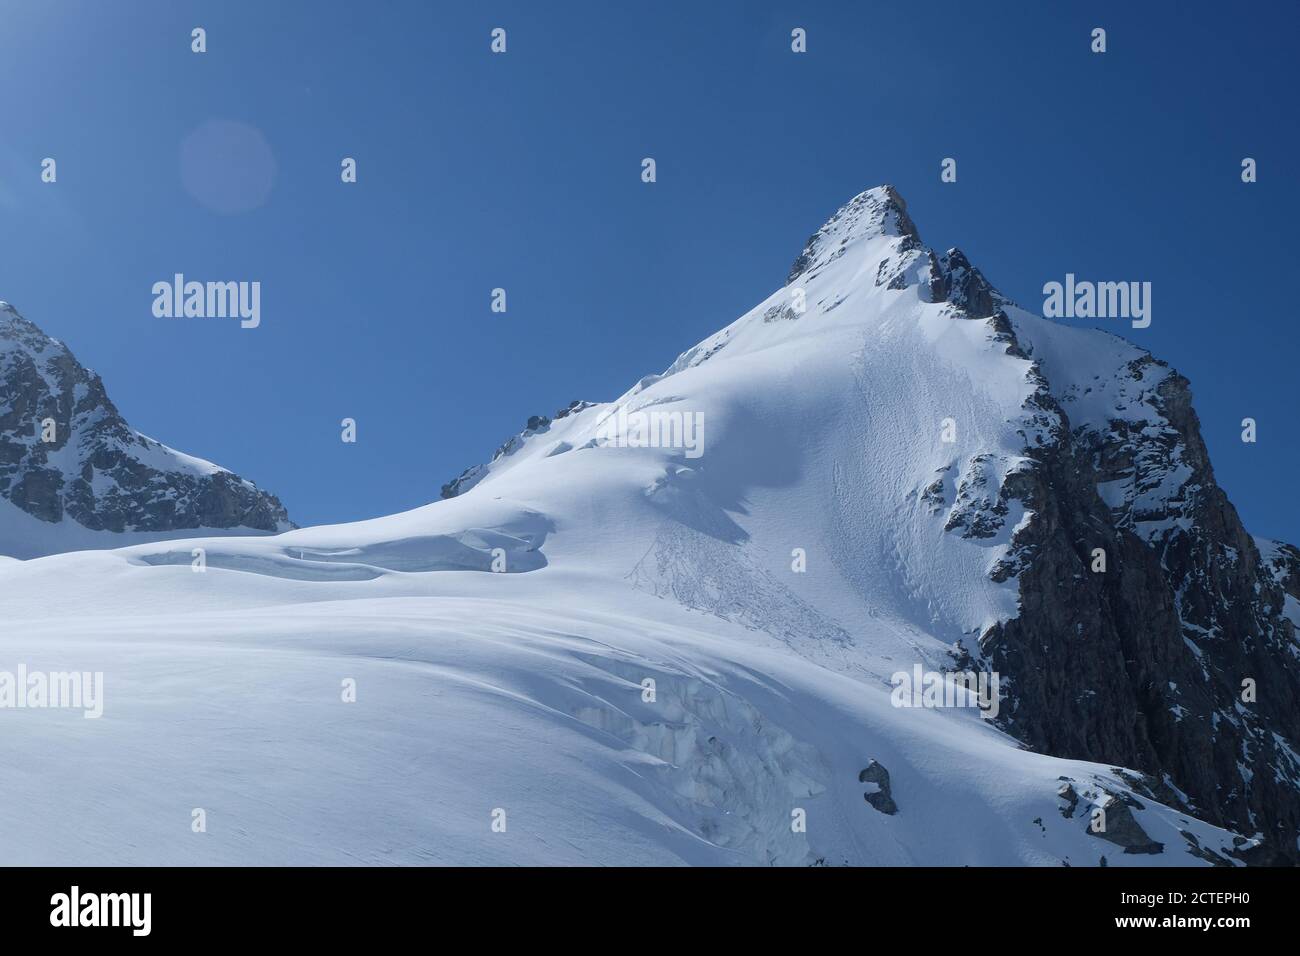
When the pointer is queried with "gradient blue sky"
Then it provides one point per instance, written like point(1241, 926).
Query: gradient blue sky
point(523, 171)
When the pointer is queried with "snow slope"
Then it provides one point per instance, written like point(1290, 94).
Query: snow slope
point(525, 691)
point(24, 536)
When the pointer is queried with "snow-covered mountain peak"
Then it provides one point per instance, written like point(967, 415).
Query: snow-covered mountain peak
point(967, 470)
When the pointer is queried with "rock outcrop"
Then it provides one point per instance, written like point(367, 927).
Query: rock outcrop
point(535, 425)
point(879, 792)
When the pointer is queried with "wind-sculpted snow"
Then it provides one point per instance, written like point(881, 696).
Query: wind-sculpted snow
point(481, 695)
point(632, 653)
point(475, 550)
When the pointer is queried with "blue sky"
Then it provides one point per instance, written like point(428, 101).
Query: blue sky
point(523, 171)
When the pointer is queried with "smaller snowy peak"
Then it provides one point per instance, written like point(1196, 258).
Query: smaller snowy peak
point(868, 215)
point(67, 455)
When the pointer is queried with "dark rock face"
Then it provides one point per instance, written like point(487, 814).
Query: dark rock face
point(1151, 662)
point(965, 288)
point(94, 468)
